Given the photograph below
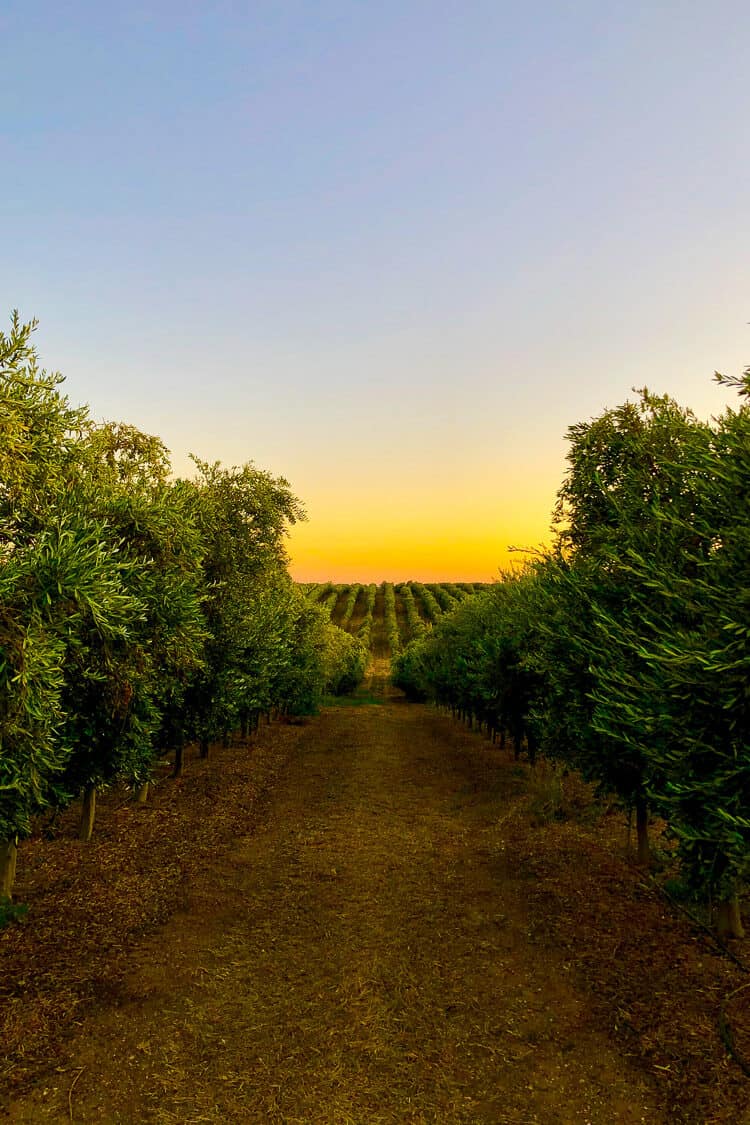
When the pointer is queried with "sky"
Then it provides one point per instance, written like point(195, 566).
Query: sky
point(389, 251)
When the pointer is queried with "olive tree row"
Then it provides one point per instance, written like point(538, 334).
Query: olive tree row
point(137, 611)
point(625, 650)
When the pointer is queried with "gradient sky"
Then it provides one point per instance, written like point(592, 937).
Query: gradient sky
point(388, 250)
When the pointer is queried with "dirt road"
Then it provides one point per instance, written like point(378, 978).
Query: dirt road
point(362, 957)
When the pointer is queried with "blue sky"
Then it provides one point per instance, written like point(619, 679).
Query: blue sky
point(389, 250)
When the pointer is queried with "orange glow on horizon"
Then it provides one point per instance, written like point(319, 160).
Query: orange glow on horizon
point(437, 523)
point(424, 553)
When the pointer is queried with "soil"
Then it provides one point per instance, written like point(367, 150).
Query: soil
point(362, 919)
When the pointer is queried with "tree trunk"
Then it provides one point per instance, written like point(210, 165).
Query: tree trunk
point(641, 829)
point(179, 757)
point(728, 920)
point(225, 740)
point(244, 725)
point(88, 813)
point(142, 794)
point(8, 854)
point(204, 747)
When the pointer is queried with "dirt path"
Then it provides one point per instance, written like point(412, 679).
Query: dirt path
point(363, 957)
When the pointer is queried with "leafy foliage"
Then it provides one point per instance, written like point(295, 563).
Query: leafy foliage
point(135, 609)
point(391, 620)
point(625, 650)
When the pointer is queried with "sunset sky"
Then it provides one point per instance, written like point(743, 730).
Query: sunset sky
point(387, 250)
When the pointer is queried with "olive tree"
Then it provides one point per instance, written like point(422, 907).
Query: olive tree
point(59, 581)
point(694, 699)
point(626, 468)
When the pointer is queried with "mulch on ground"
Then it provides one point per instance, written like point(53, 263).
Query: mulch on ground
point(658, 982)
point(90, 903)
point(576, 905)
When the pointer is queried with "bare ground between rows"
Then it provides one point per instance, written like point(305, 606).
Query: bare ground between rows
point(395, 942)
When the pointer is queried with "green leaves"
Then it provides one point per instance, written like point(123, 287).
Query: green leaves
point(625, 651)
point(132, 607)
